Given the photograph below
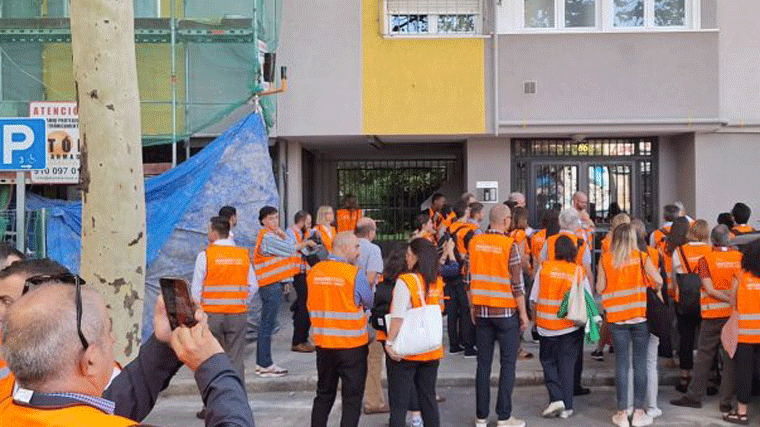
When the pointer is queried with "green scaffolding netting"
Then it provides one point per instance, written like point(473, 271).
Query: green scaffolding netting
point(215, 76)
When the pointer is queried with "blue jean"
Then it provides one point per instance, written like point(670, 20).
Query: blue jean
point(625, 338)
point(487, 331)
point(270, 304)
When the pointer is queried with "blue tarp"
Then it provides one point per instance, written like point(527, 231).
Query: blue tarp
point(235, 169)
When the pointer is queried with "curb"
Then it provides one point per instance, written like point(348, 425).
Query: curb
point(300, 383)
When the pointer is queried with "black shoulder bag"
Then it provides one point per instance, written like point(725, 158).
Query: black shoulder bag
point(689, 285)
point(657, 310)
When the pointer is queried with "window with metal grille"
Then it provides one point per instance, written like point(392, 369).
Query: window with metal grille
point(617, 174)
point(432, 17)
point(391, 191)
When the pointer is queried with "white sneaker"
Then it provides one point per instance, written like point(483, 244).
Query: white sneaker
point(511, 422)
point(554, 409)
point(566, 414)
point(416, 422)
point(654, 412)
point(621, 419)
point(641, 419)
point(272, 371)
point(481, 423)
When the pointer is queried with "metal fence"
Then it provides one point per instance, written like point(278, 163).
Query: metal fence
point(35, 234)
point(392, 191)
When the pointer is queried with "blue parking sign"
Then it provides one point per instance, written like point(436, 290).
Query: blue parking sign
point(24, 144)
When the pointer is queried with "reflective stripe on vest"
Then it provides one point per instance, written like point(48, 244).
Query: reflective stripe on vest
point(723, 265)
point(336, 320)
point(490, 283)
point(748, 306)
point(272, 269)
point(225, 287)
point(556, 279)
point(624, 297)
point(414, 282)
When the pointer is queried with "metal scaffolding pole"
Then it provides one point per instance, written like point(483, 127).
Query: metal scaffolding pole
point(174, 81)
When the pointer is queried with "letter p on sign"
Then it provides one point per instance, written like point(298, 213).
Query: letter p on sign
point(24, 144)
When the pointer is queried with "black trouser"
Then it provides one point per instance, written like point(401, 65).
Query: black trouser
point(578, 369)
point(350, 366)
point(459, 323)
point(558, 358)
point(506, 330)
point(403, 378)
point(301, 322)
point(687, 329)
point(745, 360)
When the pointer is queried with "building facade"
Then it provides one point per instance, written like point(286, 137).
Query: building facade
point(638, 102)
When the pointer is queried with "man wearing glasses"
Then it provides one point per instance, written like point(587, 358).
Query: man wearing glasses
point(135, 388)
point(64, 366)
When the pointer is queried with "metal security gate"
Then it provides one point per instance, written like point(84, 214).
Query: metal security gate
point(391, 191)
point(617, 174)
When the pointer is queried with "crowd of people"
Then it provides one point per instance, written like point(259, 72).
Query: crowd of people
point(647, 296)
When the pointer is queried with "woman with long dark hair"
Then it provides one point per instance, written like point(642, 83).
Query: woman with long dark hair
point(405, 374)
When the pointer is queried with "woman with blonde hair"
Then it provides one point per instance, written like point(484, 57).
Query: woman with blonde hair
point(622, 285)
point(325, 218)
point(621, 218)
point(685, 261)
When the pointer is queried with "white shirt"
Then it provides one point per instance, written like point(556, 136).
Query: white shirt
point(199, 275)
point(534, 297)
point(651, 236)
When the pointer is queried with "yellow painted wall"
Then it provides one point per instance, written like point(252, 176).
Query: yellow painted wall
point(153, 75)
point(420, 86)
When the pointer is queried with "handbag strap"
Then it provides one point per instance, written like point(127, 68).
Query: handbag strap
point(685, 261)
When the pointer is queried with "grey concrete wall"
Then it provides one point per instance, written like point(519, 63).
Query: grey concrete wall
point(294, 178)
point(321, 46)
point(489, 159)
point(726, 165)
point(686, 172)
point(739, 23)
point(609, 76)
point(667, 178)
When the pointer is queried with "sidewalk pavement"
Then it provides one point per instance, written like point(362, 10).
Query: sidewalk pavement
point(454, 371)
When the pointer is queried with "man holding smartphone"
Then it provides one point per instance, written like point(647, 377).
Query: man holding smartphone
point(224, 282)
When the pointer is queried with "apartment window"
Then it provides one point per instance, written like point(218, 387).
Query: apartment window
point(538, 15)
point(432, 17)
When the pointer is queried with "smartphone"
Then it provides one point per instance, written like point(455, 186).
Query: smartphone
point(179, 304)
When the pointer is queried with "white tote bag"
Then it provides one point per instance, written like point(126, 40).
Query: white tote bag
point(576, 304)
point(422, 329)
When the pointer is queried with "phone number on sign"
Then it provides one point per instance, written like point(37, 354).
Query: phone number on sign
point(58, 171)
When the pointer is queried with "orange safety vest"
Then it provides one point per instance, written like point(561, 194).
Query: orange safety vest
point(723, 265)
point(347, 219)
point(450, 218)
point(659, 237)
point(748, 306)
point(490, 280)
point(436, 217)
point(273, 269)
point(624, 297)
point(459, 230)
point(338, 323)
point(327, 234)
point(551, 241)
point(537, 244)
point(225, 287)
point(654, 255)
point(742, 229)
point(434, 297)
point(521, 236)
point(303, 266)
point(18, 415)
point(606, 244)
point(556, 279)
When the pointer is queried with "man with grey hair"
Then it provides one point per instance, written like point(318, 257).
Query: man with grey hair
point(518, 199)
point(568, 223)
point(58, 341)
point(370, 260)
point(716, 269)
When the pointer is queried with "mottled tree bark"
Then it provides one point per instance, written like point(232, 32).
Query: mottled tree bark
point(113, 209)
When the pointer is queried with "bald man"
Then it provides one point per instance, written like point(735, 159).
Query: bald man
point(580, 203)
point(64, 367)
point(518, 199)
point(339, 296)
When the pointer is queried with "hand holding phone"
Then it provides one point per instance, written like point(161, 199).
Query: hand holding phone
point(180, 307)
